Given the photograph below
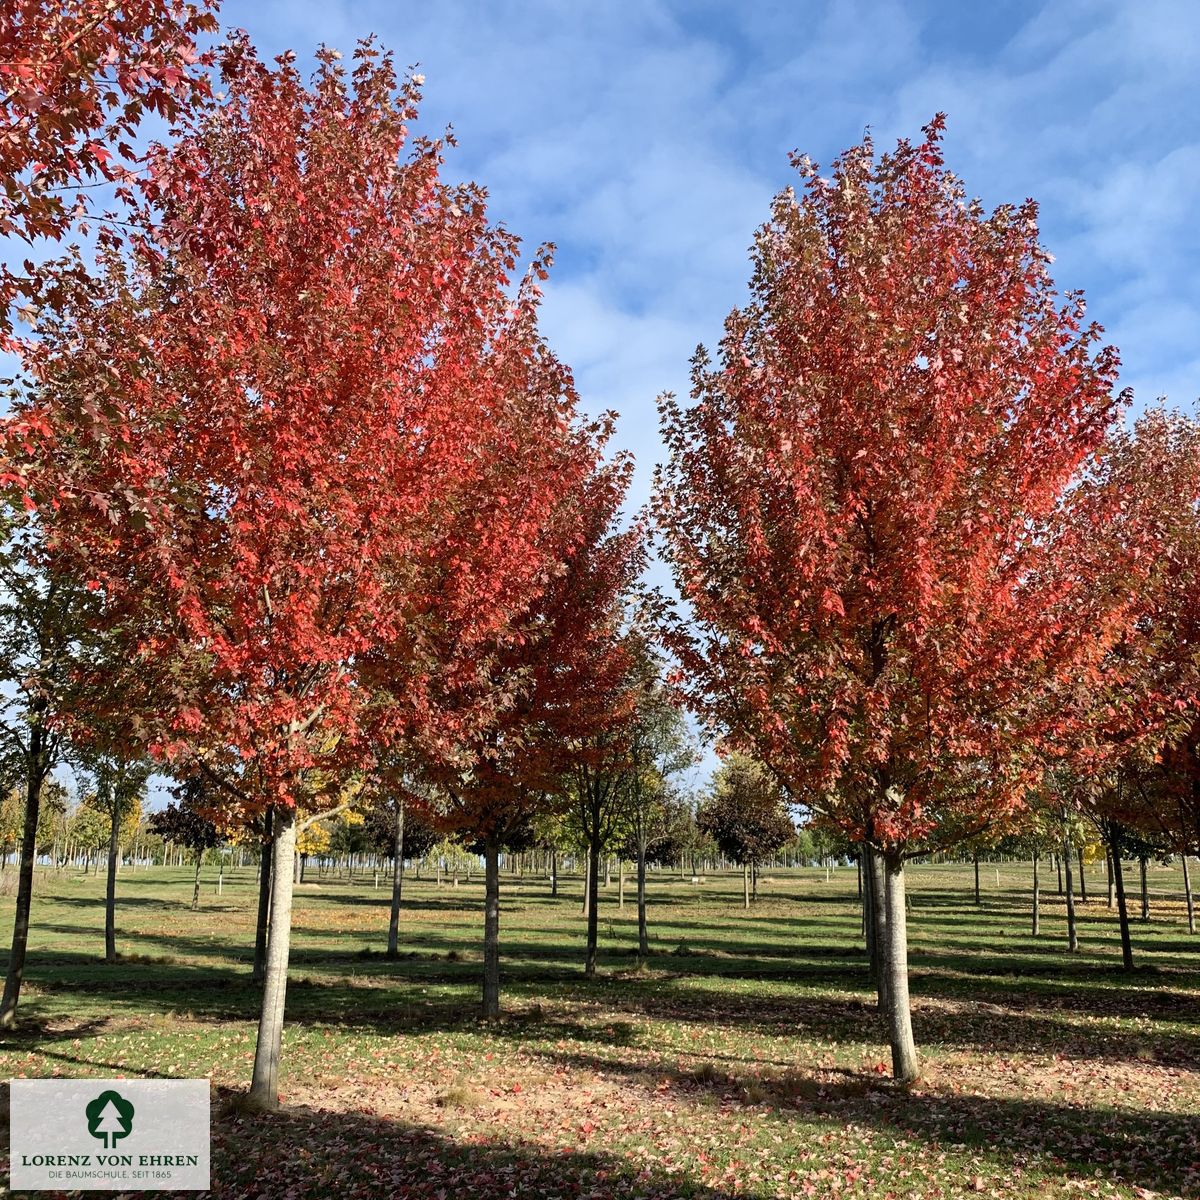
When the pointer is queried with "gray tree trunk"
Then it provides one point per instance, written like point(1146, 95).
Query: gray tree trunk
point(1072, 931)
point(37, 766)
point(553, 872)
point(1037, 898)
point(1187, 896)
point(745, 885)
point(593, 908)
point(491, 929)
point(264, 900)
point(905, 1066)
point(866, 926)
point(110, 894)
point(393, 945)
point(1113, 835)
point(643, 939)
point(264, 1085)
point(196, 881)
point(877, 880)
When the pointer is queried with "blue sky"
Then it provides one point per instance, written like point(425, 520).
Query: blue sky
point(646, 140)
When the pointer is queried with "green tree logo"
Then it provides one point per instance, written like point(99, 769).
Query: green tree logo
point(110, 1117)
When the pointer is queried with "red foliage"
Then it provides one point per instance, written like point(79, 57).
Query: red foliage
point(866, 507)
point(76, 78)
point(1138, 716)
point(305, 424)
point(559, 680)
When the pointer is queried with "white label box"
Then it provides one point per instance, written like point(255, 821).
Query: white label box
point(123, 1135)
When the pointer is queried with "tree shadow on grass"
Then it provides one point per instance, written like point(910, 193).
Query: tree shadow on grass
point(855, 1022)
point(1156, 1150)
point(466, 903)
point(96, 904)
point(307, 1152)
point(303, 1152)
point(1021, 973)
point(382, 996)
point(35, 1029)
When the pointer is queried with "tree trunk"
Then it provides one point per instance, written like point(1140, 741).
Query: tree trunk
point(1108, 866)
point(587, 887)
point(393, 945)
point(1114, 842)
point(905, 1067)
point(491, 928)
point(196, 881)
point(264, 1086)
point(1082, 878)
point(1037, 899)
point(593, 899)
point(643, 939)
point(1142, 863)
point(877, 884)
point(745, 885)
point(1072, 932)
point(264, 900)
point(36, 769)
point(1187, 896)
point(553, 872)
point(866, 925)
point(110, 894)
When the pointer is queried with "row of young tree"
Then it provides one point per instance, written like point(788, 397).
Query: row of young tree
point(301, 506)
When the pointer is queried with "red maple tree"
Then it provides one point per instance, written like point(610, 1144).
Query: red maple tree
point(305, 424)
point(1132, 756)
point(548, 684)
point(864, 512)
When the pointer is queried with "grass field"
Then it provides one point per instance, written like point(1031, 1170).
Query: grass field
point(745, 1059)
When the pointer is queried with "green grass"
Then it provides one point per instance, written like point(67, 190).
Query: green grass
point(744, 1058)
